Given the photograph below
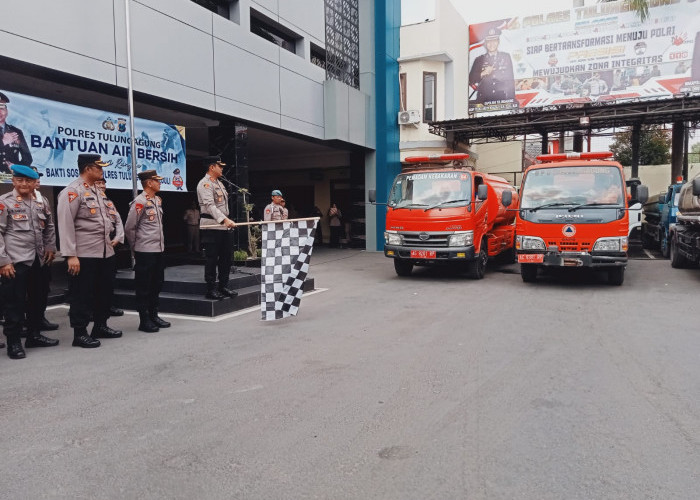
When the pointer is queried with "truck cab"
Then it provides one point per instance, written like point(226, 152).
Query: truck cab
point(574, 213)
point(658, 218)
point(440, 211)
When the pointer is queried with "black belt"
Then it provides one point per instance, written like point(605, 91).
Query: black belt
point(206, 216)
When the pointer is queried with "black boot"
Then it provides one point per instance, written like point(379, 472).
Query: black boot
point(82, 339)
point(214, 294)
point(102, 331)
point(115, 311)
point(146, 324)
point(46, 325)
point(228, 293)
point(36, 339)
point(157, 320)
point(14, 348)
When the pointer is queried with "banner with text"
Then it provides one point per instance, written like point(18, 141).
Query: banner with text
point(50, 135)
point(598, 53)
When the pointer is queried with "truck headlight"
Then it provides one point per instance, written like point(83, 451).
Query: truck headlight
point(461, 239)
point(529, 243)
point(392, 238)
point(611, 245)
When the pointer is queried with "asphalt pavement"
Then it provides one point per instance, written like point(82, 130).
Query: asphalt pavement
point(433, 386)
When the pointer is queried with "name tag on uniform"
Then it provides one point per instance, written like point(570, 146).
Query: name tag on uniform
point(20, 217)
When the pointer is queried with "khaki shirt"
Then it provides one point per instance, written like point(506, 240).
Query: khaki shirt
point(144, 224)
point(274, 212)
point(117, 231)
point(27, 230)
point(84, 221)
point(213, 201)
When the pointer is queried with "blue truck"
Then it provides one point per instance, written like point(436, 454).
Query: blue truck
point(659, 215)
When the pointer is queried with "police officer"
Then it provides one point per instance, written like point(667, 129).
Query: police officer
point(493, 72)
point(144, 230)
point(275, 210)
point(13, 146)
point(117, 233)
point(27, 243)
point(45, 270)
point(215, 227)
point(84, 226)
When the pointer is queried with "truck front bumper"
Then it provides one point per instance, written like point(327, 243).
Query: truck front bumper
point(574, 259)
point(429, 255)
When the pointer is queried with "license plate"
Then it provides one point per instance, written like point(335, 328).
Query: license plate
point(423, 254)
point(531, 258)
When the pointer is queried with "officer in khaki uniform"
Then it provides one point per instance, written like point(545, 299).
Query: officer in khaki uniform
point(275, 210)
point(215, 228)
point(84, 227)
point(144, 231)
point(27, 243)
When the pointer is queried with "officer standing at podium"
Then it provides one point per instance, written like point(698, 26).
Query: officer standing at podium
point(216, 229)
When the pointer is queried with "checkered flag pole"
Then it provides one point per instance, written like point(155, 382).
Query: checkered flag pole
point(286, 253)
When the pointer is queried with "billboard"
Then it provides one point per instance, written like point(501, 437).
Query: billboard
point(50, 135)
point(599, 53)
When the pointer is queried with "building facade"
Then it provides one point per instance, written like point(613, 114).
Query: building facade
point(289, 92)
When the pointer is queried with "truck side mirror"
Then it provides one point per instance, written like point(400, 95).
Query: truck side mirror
point(696, 186)
point(642, 194)
point(507, 198)
point(372, 195)
point(482, 192)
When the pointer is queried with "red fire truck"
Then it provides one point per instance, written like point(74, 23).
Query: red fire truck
point(573, 213)
point(441, 211)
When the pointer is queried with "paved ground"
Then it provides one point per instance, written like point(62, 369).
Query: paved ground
point(431, 387)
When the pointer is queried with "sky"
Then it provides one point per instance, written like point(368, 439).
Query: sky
point(478, 11)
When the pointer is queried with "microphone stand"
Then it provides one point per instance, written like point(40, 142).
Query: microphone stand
point(244, 192)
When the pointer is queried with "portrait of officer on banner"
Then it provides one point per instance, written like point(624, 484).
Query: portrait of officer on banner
point(491, 77)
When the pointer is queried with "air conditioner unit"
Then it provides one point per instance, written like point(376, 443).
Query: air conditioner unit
point(410, 116)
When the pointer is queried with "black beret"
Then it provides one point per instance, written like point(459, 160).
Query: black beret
point(4, 98)
point(149, 174)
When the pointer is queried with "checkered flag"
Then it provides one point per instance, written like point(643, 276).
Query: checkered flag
point(286, 252)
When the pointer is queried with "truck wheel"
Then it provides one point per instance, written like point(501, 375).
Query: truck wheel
point(528, 272)
point(616, 276)
point(403, 267)
point(477, 267)
point(677, 260)
point(665, 250)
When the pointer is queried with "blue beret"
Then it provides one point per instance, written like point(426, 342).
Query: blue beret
point(22, 171)
point(276, 192)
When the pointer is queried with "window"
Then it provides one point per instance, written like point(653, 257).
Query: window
point(343, 41)
point(429, 96)
point(402, 91)
point(221, 7)
point(272, 31)
point(318, 56)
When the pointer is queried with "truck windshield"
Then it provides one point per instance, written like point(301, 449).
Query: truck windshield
point(576, 185)
point(427, 189)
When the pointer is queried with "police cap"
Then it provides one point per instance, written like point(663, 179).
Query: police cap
point(493, 34)
point(24, 171)
point(276, 192)
point(149, 174)
point(85, 159)
point(4, 99)
point(212, 160)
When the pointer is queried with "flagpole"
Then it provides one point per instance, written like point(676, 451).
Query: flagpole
point(130, 89)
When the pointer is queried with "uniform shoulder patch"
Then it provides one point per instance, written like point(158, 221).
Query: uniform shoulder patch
point(2, 208)
point(139, 207)
point(206, 185)
point(267, 210)
point(72, 196)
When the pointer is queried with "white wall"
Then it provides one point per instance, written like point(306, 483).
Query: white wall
point(185, 53)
